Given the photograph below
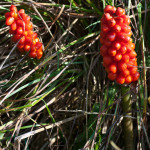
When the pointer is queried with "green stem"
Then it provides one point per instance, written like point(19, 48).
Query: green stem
point(127, 121)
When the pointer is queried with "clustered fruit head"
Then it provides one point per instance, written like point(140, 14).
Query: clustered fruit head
point(119, 56)
point(22, 30)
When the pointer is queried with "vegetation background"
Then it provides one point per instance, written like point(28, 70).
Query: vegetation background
point(65, 100)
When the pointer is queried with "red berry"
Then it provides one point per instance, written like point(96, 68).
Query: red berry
point(122, 66)
point(22, 40)
point(120, 11)
point(107, 60)
point(16, 37)
point(14, 15)
point(39, 54)
point(20, 23)
point(21, 11)
point(111, 22)
point(27, 48)
point(116, 28)
point(28, 26)
point(128, 79)
point(119, 20)
point(104, 28)
point(19, 30)
point(113, 68)
point(133, 70)
point(28, 40)
point(129, 33)
point(126, 19)
point(13, 26)
point(132, 54)
point(135, 76)
point(120, 79)
point(38, 45)
point(118, 57)
point(11, 31)
point(113, 9)
point(13, 8)
point(112, 52)
point(108, 9)
point(125, 58)
point(107, 42)
point(103, 50)
point(111, 36)
point(32, 54)
point(123, 49)
point(101, 40)
point(7, 14)
point(112, 76)
point(9, 21)
point(116, 45)
point(20, 48)
point(125, 72)
point(107, 16)
point(125, 28)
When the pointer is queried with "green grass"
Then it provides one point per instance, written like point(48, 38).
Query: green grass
point(66, 97)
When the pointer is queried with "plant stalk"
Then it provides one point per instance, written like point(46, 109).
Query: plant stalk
point(127, 121)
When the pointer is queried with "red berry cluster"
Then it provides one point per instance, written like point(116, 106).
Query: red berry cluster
point(22, 30)
point(119, 56)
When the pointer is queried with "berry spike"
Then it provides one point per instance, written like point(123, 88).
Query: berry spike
point(117, 48)
point(21, 28)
